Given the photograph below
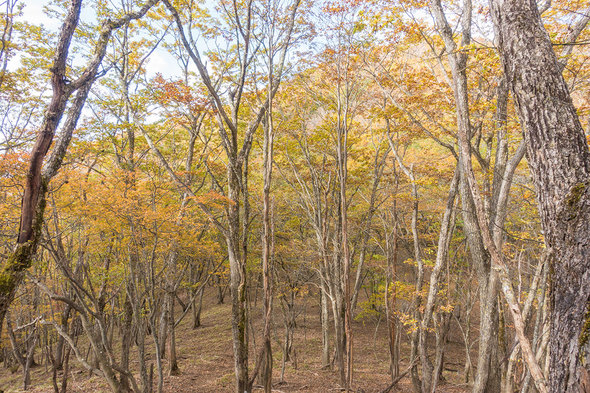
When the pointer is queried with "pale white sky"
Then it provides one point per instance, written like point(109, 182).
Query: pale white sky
point(33, 12)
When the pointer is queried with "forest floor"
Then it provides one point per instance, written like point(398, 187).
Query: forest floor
point(205, 359)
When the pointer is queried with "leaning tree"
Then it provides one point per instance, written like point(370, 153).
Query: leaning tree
point(41, 166)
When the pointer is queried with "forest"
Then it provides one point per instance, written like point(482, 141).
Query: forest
point(295, 196)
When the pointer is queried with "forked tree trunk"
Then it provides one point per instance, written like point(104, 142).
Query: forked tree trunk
point(559, 160)
point(38, 176)
point(61, 343)
point(444, 239)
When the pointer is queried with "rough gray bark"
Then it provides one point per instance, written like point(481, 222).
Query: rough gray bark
point(559, 160)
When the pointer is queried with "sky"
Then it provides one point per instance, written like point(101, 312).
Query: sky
point(33, 12)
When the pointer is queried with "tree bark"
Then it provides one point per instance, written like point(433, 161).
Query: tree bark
point(559, 160)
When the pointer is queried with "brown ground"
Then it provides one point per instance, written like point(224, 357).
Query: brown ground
point(206, 360)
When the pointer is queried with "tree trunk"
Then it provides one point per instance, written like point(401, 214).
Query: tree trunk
point(267, 246)
point(33, 202)
point(390, 302)
point(197, 306)
point(59, 348)
point(126, 339)
point(163, 328)
point(445, 234)
point(174, 370)
point(559, 160)
point(325, 326)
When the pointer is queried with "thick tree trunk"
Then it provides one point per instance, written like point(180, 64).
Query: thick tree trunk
point(558, 156)
point(267, 246)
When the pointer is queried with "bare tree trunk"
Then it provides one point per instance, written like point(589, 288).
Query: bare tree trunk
point(441, 258)
point(140, 321)
point(126, 340)
point(267, 239)
point(59, 347)
point(442, 334)
point(325, 326)
point(174, 370)
point(346, 262)
point(197, 306)
point(238, 289)
point(541, 270)
point(127, 327)
point(163, 327)
point(391, 244)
